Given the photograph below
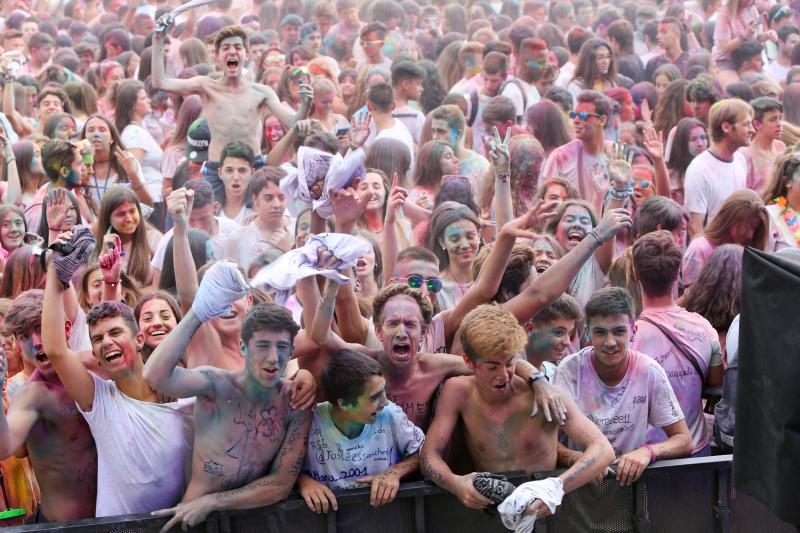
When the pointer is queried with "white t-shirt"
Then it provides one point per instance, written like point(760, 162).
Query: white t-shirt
point(777, 71)
point(143, 450)
point(240, 217)
point(246, 244)
point(643, 397)
point(135, 136)
point(226, 226)
point(710, 180)
point(588, 279)
point(337, 461)
point(412, 119)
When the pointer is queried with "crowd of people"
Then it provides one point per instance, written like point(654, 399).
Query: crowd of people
point(257, 247)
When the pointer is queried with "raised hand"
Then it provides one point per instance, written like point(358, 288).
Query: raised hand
point(619, 166)
point(179, 205)
point(359, 133)
point(520, 226)
point(304, 128)
point(395, 202)
point(127, 160)
point(348, 205)
point(647, 113)
point(57, 205)
point(499, 154)
point(306, 93)
point(613, 221)
point(281, 239)
point(326, 260)
point(163, 25)
point(653, 142)
point(111, 262)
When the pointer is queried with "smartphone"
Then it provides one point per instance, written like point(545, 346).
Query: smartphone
point(344, 130)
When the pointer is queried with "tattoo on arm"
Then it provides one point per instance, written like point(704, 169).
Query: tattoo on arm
point(578, 469)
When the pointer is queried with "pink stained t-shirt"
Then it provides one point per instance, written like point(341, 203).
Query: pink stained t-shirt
point(695, 258)
point(696, 336)
point(624, 412)
point(572, 163)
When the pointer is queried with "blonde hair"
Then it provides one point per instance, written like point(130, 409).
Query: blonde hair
point(506, 337)
point(729, 110)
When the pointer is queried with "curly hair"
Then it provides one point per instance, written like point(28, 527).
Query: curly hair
point(270, 317)
point(508, 336)
point(396, 289)
point(112, 309)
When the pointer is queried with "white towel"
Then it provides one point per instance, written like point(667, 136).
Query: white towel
point(512, 511)
point(222, 285)
point(314, 165)
point(284, 273)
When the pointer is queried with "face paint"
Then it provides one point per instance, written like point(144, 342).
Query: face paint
point(72, 178)
point(453, 138)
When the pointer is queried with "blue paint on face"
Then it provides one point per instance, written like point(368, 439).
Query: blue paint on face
point(453, 138)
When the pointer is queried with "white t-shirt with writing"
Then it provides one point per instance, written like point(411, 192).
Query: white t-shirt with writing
point(710, 180)
point(142, 450)
point(623, 412)
point(337, 461)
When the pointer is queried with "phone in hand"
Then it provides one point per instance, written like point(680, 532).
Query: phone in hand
point(343, 130)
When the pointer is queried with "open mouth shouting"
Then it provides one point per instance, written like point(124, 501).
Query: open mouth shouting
point(41, 358)
point(501, 387)
point(575, 235)
point(401, 350)
point(232, 64)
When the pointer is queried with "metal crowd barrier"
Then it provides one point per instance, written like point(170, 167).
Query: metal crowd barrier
point(684, 496)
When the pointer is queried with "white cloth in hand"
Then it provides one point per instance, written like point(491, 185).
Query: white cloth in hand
point(222, 285)
point(313, 165)
point(512, 511)
point(284, 273)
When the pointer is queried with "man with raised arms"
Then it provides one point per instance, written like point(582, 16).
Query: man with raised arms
point(249, 440)
point(44, 417)
point(494, 406)
point(232, 105)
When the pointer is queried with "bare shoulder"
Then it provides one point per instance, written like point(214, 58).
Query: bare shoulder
point(457, 387)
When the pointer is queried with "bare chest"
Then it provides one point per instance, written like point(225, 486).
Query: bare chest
point(414, 397)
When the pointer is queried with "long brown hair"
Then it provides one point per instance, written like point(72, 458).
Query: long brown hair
point(717, 292)
point(524, 150)
point(140, 254)
point(427, 170)
point(679, 156)
point(742, 206)
point(783, 168)
point(122, 176)
point(671, 107)
point(22, 271)
point(586, 71)
point(125, 97)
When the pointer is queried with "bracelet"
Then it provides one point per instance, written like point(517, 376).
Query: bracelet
point(620, 194)
point(114, 284)
point(652, 452)
point(502, 176)
point(596, 235)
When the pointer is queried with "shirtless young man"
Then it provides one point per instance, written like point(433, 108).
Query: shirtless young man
point(494, 406)
point(233, 106)
point(249, 441)
point(44, 417)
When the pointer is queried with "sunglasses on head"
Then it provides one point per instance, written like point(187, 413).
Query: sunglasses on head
point(415, 281)
point(583, 115)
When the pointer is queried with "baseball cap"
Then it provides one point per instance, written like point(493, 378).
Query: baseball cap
point(198, 139)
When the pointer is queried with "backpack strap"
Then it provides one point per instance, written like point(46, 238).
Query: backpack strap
point(675, 342)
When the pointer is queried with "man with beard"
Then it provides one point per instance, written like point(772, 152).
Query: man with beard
point(43, 416)
point(233, 106)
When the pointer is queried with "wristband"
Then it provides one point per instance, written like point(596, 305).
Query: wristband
point(620, 194)
point(502, 176)
point(57, 230)
point(596, 235)
point(652, 452)
point(112, 283)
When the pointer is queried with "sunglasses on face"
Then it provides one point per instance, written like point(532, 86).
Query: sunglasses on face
point(644, 184)
point(583, 115)
point(415, 281)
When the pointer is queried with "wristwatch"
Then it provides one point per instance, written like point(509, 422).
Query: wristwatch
point(534, 378)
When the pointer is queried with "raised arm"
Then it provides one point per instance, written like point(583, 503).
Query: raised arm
point(179, 205)
point(654, 144)
point(14, 117)
point(437, 440)
point(14, 190)
point(501, 163)
point(390, 247)
point(556, 279)
point(161, 80)
point(272, 488)
point(67, 364)
point(283, 113)
point(160, 371)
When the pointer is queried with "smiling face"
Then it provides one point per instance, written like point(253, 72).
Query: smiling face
point(115, 346)
point(125, 218)
point(266, 355)
point(12, 231)
point(573, 226)
point(592, 126)
point(610, 336)
point(230, 324)
point(50, 105)
point(551, 340)
point(401, 330)
point(373, 184)
point(231, 56)
point(460, 239)
point(156, 321)
point(369, 403)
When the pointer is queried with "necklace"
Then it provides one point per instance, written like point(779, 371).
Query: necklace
point(790, 216)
